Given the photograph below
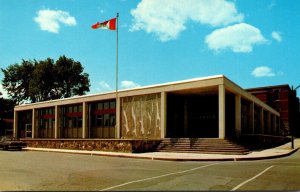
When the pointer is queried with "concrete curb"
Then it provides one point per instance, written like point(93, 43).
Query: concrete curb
point(214, 157)
point(269, 157)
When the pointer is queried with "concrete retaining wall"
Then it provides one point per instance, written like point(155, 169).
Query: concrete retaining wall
point(130, 146)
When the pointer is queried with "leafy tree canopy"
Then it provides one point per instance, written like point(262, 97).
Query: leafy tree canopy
point(7, 108)
point(43, 80)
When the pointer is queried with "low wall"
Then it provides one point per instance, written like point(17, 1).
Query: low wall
point(117, 145)
point(258, 141)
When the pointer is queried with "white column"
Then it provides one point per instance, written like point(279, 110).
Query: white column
point(84, 119)
point(238, 115)
point(163, 110)
point(221, 111)
point(33, 124)
point(56, 122)
point(15, 134)
point(118, 118)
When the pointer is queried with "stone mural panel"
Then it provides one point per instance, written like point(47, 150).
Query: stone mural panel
point(140, 117)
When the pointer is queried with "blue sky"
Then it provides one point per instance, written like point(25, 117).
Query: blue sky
point(252, 42)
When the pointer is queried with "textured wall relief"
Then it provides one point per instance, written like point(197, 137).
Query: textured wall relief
point(140, 117)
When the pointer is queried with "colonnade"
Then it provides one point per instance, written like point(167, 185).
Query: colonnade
point(252, 116)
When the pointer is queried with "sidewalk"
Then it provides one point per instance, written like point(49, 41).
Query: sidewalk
point(280, 151)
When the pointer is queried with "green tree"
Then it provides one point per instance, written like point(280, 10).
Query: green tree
point(41, 85)
point(6, 112)
point(16, 80)
point(70, 79)
point(7, 108)
point(45, 80)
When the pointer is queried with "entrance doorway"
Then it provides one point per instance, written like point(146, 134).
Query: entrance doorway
point(192, 116)
point(28, 130)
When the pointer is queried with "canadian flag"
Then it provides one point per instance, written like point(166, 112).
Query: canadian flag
point(110, 24)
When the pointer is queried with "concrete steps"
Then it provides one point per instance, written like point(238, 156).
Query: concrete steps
point(201, 145)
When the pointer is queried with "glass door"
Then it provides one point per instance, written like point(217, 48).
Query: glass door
point(28, 131)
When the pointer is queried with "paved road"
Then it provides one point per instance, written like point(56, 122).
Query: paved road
point(29, 170)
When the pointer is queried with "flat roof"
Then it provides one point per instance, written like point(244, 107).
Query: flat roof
point(200, 84)
point(267, 87)
point(113, 93)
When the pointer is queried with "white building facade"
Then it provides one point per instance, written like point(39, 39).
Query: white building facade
point(210, 107)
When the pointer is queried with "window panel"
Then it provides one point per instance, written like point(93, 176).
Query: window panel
point(100, 106)
point(112, 120)
point(112, 105)
point(99, 121)
point(106, 105)
point(106, 120)
point(79, 122)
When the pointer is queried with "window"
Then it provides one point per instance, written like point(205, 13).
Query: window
point(100, 106)
point(276, 94)
point(106, 105)
point(112, 104)
point(106, 120)
point(46, 123)
point(72, 121)
point(102, 119)
point(112, 119)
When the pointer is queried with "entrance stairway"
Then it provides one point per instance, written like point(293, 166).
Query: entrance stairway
point(201, 145)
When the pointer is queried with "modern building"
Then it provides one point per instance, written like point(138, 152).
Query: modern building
point(210, 107)
point(284, 100)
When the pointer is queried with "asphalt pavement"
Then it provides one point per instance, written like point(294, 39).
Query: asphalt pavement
point(57, 171)
point(280, 151)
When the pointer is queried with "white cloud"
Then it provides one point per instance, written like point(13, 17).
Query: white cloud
point(263, 71)
point(50, 20)
point(103, 87)
point(167, 18)
point(272, 4)
point(277, 36)
point(239, 38)
point(129, 84)
point(100, 9)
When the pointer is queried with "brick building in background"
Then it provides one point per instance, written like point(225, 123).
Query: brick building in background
point(283, 99)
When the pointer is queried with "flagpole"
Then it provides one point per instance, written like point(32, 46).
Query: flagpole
point(117, 125)
point(117, 70)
